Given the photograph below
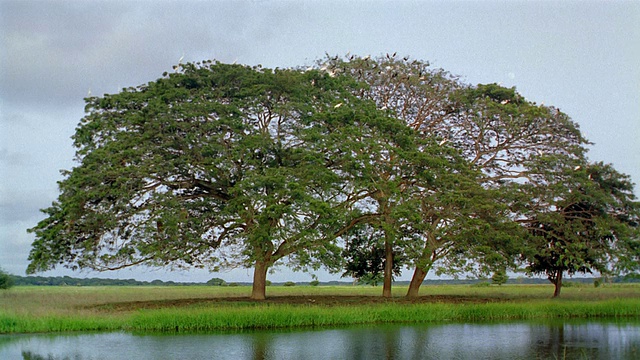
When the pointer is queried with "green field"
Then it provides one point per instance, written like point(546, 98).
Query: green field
point(205, 308)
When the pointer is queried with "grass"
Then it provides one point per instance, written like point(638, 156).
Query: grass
point(189, 309)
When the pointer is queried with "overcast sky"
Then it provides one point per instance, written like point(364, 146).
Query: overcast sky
point(583, 57)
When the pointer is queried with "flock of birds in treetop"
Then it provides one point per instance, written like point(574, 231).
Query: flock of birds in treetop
point(330, 65)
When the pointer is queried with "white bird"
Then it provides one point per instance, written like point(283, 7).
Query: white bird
point(337, 105)
point(180, 60)
point(443, 142)
point(577, 168)
point(504, 102)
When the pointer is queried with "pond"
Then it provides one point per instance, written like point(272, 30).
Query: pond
point(521, 340)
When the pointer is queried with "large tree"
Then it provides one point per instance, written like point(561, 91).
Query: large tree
point(213, 165)
point(501, 134)
point(391, 171)
point(590, 224)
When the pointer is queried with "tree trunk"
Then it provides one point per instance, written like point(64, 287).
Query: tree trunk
point(388, 268)
point(416, 281)
point(258, 291)
point(558, 284)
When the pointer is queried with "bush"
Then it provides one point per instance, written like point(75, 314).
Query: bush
point(314, 283)
point(216, 282)
point(289, 283)
point(499, 277)
point(6, 281)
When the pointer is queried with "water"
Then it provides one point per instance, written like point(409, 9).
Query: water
point(562, 340)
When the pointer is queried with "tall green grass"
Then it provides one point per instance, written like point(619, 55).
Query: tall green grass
point(288, 316)
point(57, 323)
point(60, 309)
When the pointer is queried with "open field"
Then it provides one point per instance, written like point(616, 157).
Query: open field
point(205, 308)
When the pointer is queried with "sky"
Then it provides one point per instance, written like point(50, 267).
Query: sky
point(580, 56)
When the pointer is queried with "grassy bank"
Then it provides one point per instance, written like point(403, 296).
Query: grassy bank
point(56, 309)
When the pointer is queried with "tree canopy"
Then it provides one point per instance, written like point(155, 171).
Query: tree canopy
point(505, 138)
point(212, 165)
point(223, 165)
point(383, 162)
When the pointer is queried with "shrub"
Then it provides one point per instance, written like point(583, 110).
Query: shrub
point(314, 283)
point(6, 281)
point(289, 283)
point(499, 277)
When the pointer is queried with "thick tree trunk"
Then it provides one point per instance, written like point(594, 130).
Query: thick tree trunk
point(558, 284)
point(416, 281)
point(258, 291)
point(388, 269)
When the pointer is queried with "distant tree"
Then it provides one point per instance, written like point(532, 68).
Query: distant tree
point(6, 281)
point(217, 282)
point(499, 277)
point(289, 283)
point(591, 224)
point(314, 283)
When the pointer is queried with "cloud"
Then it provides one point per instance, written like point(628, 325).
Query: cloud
point(55, 51)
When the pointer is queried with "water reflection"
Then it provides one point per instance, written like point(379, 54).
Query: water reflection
point(592, 340)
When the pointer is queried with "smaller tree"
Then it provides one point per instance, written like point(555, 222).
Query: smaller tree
point(591, 226)
point(365, 256)
point(500, 277)
point(6, 281)
point(217, 282)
